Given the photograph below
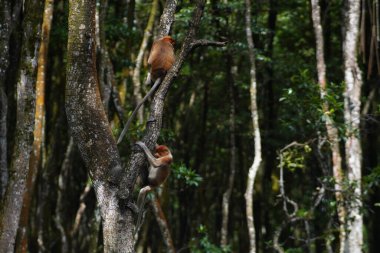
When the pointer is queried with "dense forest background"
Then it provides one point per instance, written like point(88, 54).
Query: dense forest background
point(207, 123)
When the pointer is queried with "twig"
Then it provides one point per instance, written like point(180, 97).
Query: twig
point(292, 217)
point(81, 209)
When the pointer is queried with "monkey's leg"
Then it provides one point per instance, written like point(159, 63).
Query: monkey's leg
point(140, 205)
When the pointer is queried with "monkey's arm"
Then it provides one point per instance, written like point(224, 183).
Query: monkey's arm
point(153, 161)
point(154, 87)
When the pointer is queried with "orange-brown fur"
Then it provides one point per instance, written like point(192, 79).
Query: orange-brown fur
point(164, 157)
point(161, 57)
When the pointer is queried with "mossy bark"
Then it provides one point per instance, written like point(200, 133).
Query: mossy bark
point(12, 203)
point(89, 125)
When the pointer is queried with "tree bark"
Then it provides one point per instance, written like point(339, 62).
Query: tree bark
point(35, 157)
point(103, 57)
point(163, 224)
point(139, 59)
point(353, 83)
point(60, 210)
point(231, 178)
point(256, 130)
point(12, 203)
point(5, 31)
point(332, 131)
point(269, 123)
point(89, 125)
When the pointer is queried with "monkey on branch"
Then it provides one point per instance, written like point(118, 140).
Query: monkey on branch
point(161, 59)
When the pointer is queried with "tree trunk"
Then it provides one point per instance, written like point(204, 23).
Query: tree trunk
point(11, 206)
point(5, 32)
point(38, 134)
point(89, 125)
point(139, 59)
point(60, 210)
point(256, 130)
point(103, 57)
point(231, 178)
point(269, 123)
point(163, 224)
point(353, 83)
point(332, 131)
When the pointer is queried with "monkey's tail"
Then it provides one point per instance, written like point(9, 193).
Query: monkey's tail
point(154, 87)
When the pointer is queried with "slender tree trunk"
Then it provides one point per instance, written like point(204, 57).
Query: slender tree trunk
point(353, 83)
point(35, 157)
point(103, 57)
point(269, 124)
point(60, 210)
point(95, 226)
point(139, 60)
point(231, 178)
point(89, 126)
point(163, 224)
point(5, 31)
point(332, 131)
point(256, 130)
point(11, 206)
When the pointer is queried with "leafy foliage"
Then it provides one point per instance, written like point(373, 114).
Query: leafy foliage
point(203, 245)
point(186, 175)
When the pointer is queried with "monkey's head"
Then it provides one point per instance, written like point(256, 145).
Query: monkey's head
point(168, 39)
point(162, 150)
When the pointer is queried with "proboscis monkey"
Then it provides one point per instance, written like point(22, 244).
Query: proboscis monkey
point(161, 59)
point(159, 170)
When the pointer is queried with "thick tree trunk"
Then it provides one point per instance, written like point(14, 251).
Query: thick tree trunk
point(11, 206)
point(38, 134)
point(89, 125)
point(353, 83)
point(332, 131)
point(256, 130)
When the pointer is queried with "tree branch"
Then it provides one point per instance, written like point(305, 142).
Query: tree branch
point(152, 132)
point(199, 43)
